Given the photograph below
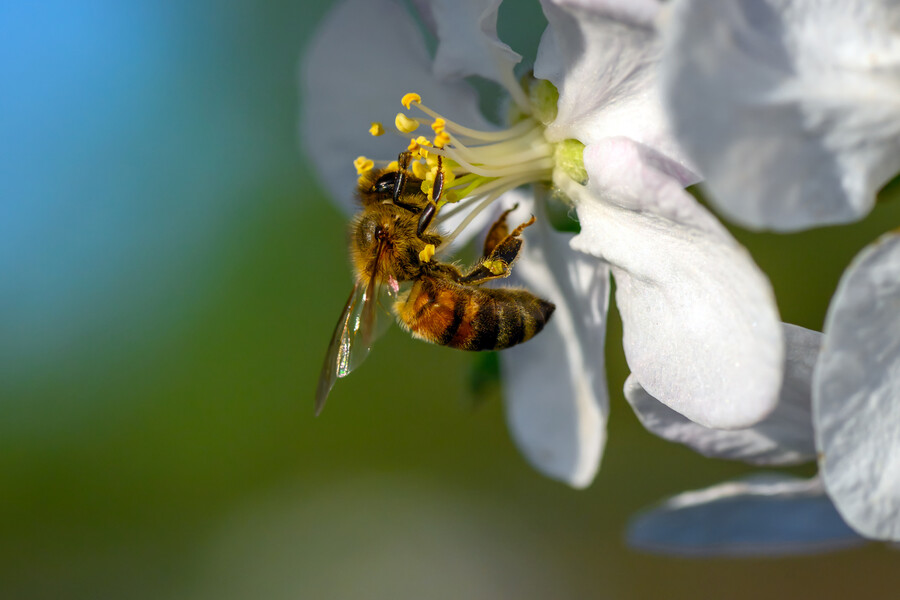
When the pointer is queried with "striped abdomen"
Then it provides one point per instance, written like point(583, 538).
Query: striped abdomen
point(471, 318)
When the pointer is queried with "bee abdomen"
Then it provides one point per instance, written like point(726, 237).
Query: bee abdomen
point(508, 317)
point(473, 318)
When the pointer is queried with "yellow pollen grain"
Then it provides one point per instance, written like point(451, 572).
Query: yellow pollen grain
point(448, 197)
point(426, 253)
point(409, 98)
point(418, 146)
point(363, 164)
point(441, 139)
point(376, 129)
point(495, 266)
point(418, 170)
point(405, 124)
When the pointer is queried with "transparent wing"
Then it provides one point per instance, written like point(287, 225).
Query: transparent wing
point(360, 324)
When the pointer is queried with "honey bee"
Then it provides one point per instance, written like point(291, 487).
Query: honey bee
point(392, 241)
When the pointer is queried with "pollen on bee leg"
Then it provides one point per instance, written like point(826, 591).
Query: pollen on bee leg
point(376, 129)
point(409, 98)
point(363, 164)
point(426, 253)
point(405, 124)
point(495, 266)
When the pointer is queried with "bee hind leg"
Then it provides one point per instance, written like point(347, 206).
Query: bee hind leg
point(498, 232)
point(499, 255)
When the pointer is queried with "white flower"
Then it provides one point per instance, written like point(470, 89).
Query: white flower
point(840, 404)
point(856, 393)
point(790, 108)
point(766, 514)
point(702, 332)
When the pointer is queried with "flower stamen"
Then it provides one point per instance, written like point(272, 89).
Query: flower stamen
point(363, 164)
point(477, 166)
point(409, 98)
point(405, 124)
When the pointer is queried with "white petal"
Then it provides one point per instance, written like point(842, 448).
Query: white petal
point(555, 384)
point(365, 55)
point(468, 44)
point(602, 58)
point(701, 329)
point(785, 437)
point(856, 393)
point(791, 110)
point(763, 515)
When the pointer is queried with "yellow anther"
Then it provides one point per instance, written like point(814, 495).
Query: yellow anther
point(376, 129)
point(392, 166)
point(422, 142)
point(448, 197)
point(441, 139)
point(363, 164)
point(497, 267)
point(409, 98)
point(438, 125)
point(426, 253)
point(427, 187)
point(449, 177)
point(418, 170)
point(405, 124)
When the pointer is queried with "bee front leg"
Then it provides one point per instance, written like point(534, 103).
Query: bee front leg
point(400, 183)
point(498, 263)
point(430, 210)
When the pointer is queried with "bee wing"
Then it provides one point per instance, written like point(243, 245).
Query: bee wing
point(356, 331)
point(373, 325)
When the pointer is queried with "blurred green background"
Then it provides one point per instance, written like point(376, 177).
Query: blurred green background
point(171, 274)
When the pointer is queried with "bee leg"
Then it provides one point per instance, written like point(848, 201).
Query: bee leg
point(425, 218)
point(499, 262)
point(431, 208)
point(498, 232)
point(400, 181)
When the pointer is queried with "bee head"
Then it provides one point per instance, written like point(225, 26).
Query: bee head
point(383, 229)
point(373, 230)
